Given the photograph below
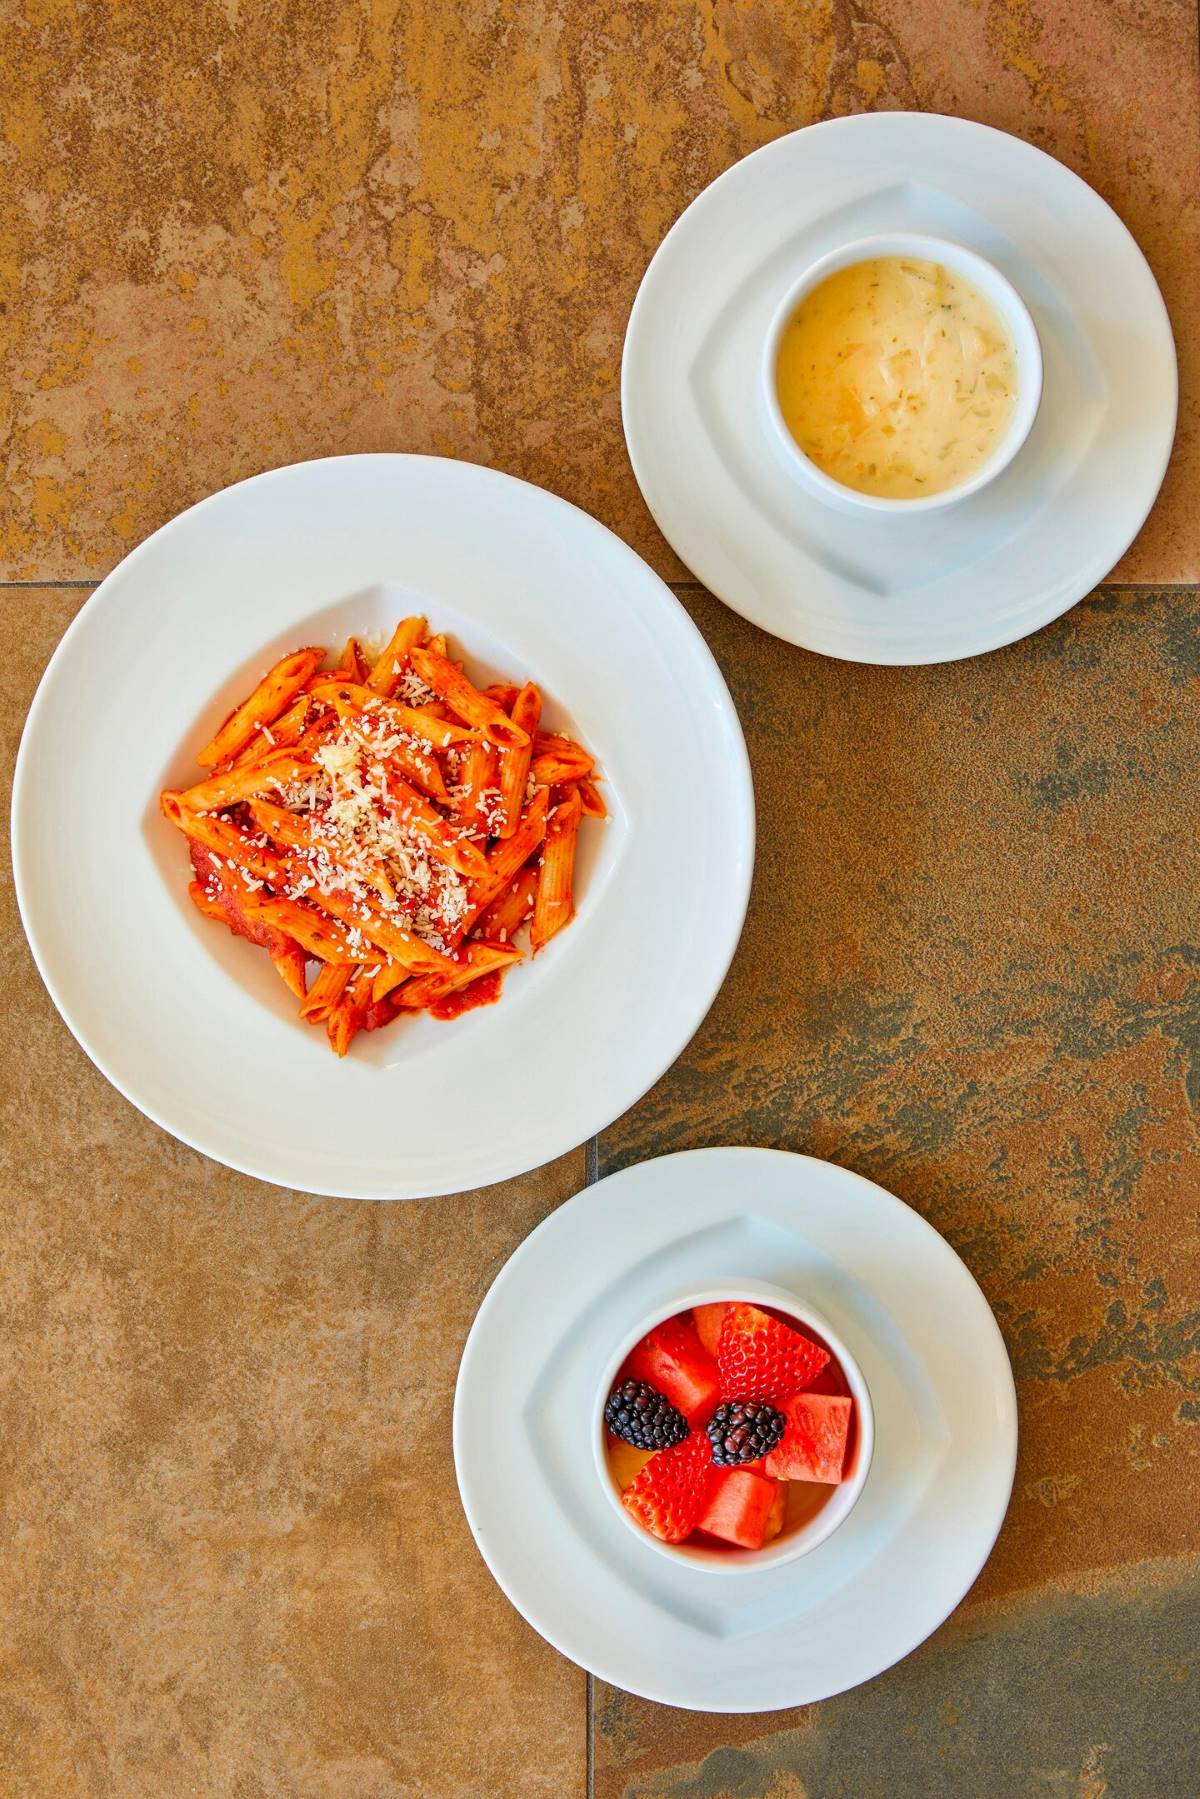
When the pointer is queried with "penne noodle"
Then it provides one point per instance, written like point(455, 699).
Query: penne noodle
point(551, 767)
point(388, 672)
point(477, 959)
point(348, 1013)
point(291, 965)
point(224, 839)
point(353, 665)
point(554, 903)
point(504, 693)
point(505, 861)
point(246, 783)
point(296, 831)
point(211, 908)
point(325, 991)
point(442, 838)
point(273, 695)
point(321, 937)
point(525, 710)
point(473, 707)
point(356, 915)
point(358, 706)
point(438, 644)
point(390, 976)
point(478, 789)
point(505, 916)
point(592, 800)
point(283, 734)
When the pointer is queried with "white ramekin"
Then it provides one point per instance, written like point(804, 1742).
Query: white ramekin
point(840, 1504)
point(993, 285)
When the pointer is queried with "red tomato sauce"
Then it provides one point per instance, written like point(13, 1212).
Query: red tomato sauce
point(483, 992)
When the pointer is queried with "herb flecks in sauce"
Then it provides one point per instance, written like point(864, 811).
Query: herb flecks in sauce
point(897, 377)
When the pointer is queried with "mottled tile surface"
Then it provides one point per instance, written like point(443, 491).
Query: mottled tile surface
point(971, 970)
point(233, 1560)
point(233, 236)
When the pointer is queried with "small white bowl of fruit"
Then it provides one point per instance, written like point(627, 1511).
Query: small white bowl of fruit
point(734, 1428)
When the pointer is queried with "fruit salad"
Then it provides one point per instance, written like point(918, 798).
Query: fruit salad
point(728, 1426)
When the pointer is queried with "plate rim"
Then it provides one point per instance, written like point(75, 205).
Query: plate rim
point(22, 800)
point(1092, 571)
point(472, 1349)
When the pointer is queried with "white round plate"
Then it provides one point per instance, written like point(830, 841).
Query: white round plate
point(945, 1430)
point(193, 1025)
point(947, 584)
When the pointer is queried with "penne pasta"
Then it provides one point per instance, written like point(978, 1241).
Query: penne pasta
point(325, 991)
point(478, 792)
point(506, 860)
point(226, 840)
point(507, 913)
point(322, 937)
point(525, 710)
point(353, 665)
point(291, 965)
point(477, 959)
point(348, 1013)
point(383, 823)
point(247, 782)
point(443, 839)
point(554, 902)
point(282, 734)
point(550, 768)
point(273, 695)
point(473, 707)
point(204, 902)
point(592, 800)
point(388, 672)
point(360, 708)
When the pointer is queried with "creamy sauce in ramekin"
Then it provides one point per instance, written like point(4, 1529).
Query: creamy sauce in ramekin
point(897, 377)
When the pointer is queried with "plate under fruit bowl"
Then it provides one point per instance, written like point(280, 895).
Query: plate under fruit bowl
point(945, 1430)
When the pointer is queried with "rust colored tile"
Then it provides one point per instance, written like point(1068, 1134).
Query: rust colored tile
point(232, 1555)
point(240, 236)
point(971, 970)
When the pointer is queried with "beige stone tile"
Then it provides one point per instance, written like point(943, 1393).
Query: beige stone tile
point(235, 237)
point(232, 1555)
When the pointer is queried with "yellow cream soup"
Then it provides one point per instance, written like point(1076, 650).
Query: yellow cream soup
point(897, 377)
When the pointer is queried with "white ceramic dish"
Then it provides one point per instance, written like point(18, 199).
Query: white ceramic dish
point(881, 589)
point(906, 1309)
point(194, 1026)
point(842, 1499)
point(1022, 335)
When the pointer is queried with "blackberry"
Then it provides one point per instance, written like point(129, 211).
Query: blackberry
point(743, 1430)
point(638, 1414)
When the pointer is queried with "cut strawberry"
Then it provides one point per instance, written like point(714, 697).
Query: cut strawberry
point(759, 1358)
point(668, 1495)
point(672, 1359)
point(815, 1438)
point(708, 1323)
point(738, 1507)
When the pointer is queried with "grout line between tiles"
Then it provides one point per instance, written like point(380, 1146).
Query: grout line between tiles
point(94, 582)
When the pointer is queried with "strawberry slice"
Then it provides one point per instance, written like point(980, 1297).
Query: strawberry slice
point(669, 1494)
point(759, 1358)
point(672, 1359)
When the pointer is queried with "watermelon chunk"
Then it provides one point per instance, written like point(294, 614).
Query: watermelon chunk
point(675, 1362)
point(813, 1446)
point(739, 1507)
point(708, 1323)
